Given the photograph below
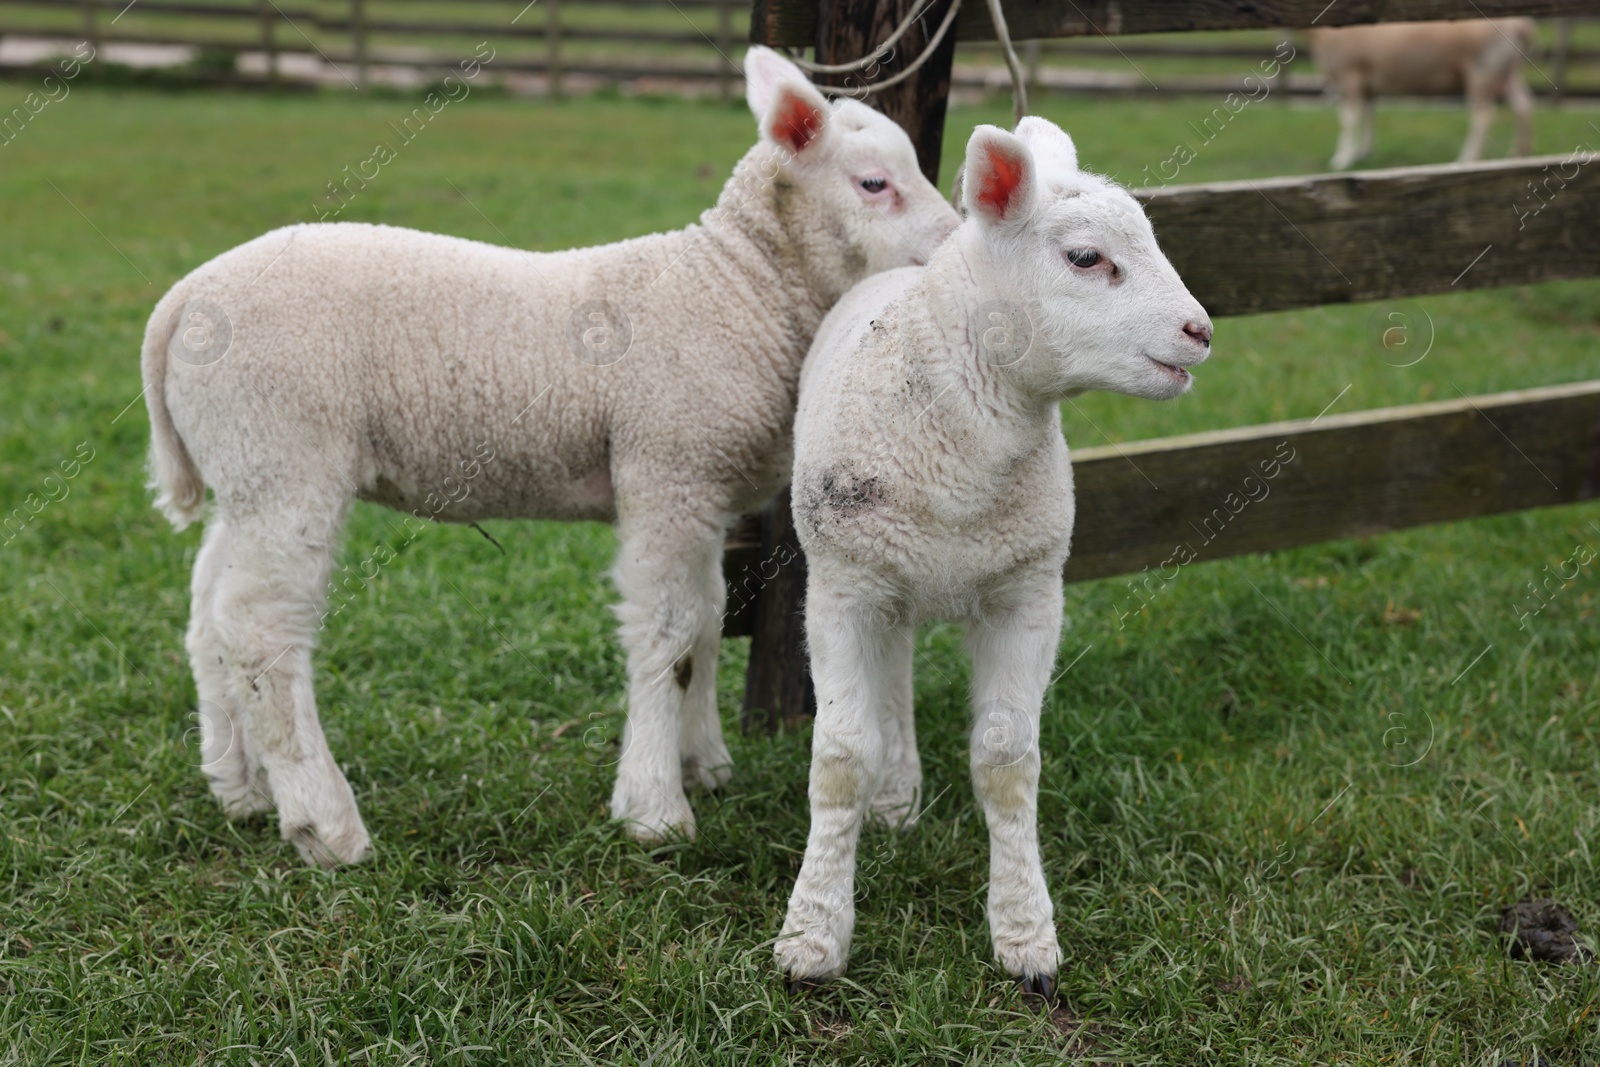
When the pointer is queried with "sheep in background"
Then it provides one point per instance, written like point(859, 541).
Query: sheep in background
point(931, 480)
point(651, 383)
point(1480, 59)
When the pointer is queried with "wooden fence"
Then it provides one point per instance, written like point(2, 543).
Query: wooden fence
point(608, 39)
point(1151, 506)
point(613, 40)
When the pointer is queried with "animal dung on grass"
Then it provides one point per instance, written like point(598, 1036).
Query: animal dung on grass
point(378, 363)
point(932, 481)
point(1543, 930)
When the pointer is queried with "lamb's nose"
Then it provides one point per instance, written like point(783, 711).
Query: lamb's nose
point(1199, 331)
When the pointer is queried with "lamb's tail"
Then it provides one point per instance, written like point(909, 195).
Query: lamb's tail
point(176, 480)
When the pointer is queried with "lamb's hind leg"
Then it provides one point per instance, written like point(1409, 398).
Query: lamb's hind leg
point(267, 604)
point(1012, 653)
point(704, 756)
point(667, 613)
point(901, 789)
point(1482, 98)
point(1520, 97)
point(227, 754)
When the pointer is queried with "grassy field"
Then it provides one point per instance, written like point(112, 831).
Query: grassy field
point(1250, 864)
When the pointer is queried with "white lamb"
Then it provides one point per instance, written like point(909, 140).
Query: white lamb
point(651, 383)
point(931, 480)
point(1480, 59)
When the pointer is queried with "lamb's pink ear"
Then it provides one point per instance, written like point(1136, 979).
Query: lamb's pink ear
point(797, 117)
point(791, 111)
point(764, 71)
point(999, 176)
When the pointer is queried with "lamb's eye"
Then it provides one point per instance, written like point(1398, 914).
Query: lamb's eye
point(1083, 257)
point(874, 185)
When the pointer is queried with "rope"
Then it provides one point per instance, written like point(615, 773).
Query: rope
point(916, 64)
point(1019, 84)
point(866, 61)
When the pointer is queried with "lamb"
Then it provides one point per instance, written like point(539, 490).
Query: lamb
point(931, 480)
point(651, 383)
point(1480, 58)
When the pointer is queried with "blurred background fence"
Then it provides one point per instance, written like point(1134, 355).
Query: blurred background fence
point(552, 46)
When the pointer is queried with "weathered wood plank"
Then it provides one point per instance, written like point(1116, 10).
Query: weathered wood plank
point(793, 23)
point(1277, 243)
point(1160, 504)
point(777, 682)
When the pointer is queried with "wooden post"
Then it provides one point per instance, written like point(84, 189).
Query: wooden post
point(1558, 61)
point(358, 39)
point(1032, 53)
point(1280, 80)
point(91, 29)
point(552, 37)
point(850, 29)
point(269, 43)
point(724, 47)
point(778, 681)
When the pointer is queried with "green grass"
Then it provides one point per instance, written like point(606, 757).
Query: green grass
point(1245, 870)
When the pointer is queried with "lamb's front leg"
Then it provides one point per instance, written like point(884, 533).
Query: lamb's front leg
point(669, 609)
point(849, 654)
point(1012, 653)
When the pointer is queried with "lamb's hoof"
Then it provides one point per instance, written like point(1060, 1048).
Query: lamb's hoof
point(331, 849)
point(799, 986)
point(658, 829)
point(899, 815)
point(707, 777)
point(242, 802)
point(816, 955)
point(649, 817)
point(1038, 990)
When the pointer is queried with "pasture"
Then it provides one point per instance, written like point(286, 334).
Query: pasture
point(1282, 806)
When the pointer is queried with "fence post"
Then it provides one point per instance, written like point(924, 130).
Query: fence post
point(724, 46)
point(358, 39)
point(1280, 80)
point(1031, 54)
point(269, 43)
point(90, 27)
point(848, 29)
point(552, 36)
point(1558, 61)
point(778, 682)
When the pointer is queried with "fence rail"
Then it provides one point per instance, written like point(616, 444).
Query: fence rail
point(611, 40)
point(1305, 242)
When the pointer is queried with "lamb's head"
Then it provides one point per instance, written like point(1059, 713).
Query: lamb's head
point(845, 188)
point(1075, 258)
